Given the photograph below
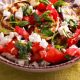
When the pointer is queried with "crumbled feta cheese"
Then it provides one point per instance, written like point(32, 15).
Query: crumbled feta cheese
point(43, 43)
point(3, 40)
point(64, 27)
point(34, 37)
point(68, 13)
point(19, 14)
point(73, 46)
point(6, 14)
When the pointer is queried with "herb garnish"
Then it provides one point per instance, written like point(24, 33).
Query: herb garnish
point(46, 31)
point(20, 23)
point(24, 49)
point(45, 1)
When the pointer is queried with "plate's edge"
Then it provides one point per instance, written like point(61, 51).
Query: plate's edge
point(40, 69)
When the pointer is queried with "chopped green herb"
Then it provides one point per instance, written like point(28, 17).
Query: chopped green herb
point(46, 32)
point(45, 1)
point(73, 23)
point(59, 3)
point(24, 49)
point(24, 10)
point(46, 16)
point(37, 18)
point(20, 23)
point(12, 19)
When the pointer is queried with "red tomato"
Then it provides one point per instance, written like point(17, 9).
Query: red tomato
point(26, 18)
point(41, 7)
point(22, 32)
point(10, 48)
point(30, 19)
point(53, 1)
point(53, 11)
point(1, 48)
point(73, 52)
point(74, 39)
point(53, 55)
point(36, 48)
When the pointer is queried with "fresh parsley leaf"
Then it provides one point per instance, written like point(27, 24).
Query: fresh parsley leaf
point(46, 16)
point(12, 19)
point(45, 1)
point(73, 23)
point(46, 31)
point(59, 3)
point(24, 49)
point(24, 10)
point(20, 23)
point(37, 18)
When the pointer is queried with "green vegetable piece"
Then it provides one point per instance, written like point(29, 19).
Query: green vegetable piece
point(60, 3)
point(45, 1)
point(37, 18)
point(46, 32)
point(20, 23)
point(24, 49)
point(46, 16)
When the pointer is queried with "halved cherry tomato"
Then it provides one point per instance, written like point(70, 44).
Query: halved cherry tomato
point(74, 39)
point(10, 48)
point(53, 1)
point(53, 11)
point(22, 32)
point(30, 19)
point(52, 55)
point(73, 52)
point(41, 7)
point(36, 48)
point(1, 48)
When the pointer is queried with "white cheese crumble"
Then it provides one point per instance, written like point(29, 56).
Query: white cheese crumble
point(8, 38)
point(68, 13)
point(3, 40)
point(19, 14)
point(6, 14)
point(64, 27)
point(34, 37)
point(43, 43)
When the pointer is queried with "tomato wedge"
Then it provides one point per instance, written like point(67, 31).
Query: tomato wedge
point(1, 48)
point(22, 32)
point(53, 1)
point(74, 39)
point(53, 11)
point(75, 52)
point(10, 48)
point(41, 7)
point(52, 55)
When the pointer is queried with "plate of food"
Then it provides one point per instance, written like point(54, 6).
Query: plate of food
point(41, 35)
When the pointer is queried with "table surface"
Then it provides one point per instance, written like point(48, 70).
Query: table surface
point(9, 73)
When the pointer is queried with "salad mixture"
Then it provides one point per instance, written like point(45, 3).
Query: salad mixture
point(41, 33)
